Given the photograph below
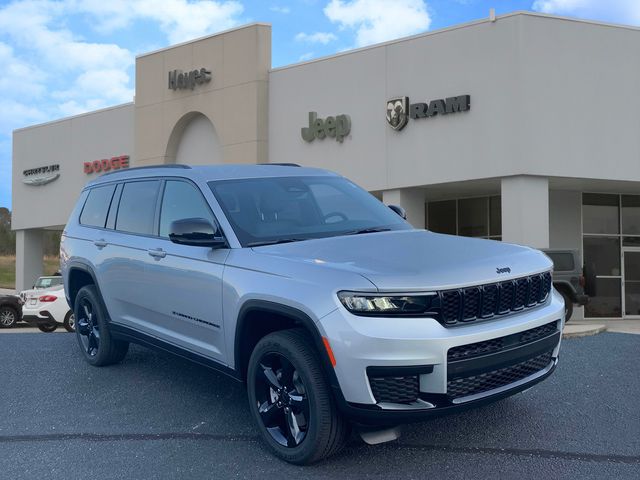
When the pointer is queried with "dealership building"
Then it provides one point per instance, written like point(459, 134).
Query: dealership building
point(523, 128)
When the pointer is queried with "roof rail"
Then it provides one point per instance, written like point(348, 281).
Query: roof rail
point(171, 165)
point(281, 164)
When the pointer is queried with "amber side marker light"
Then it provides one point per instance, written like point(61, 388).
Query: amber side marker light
point(325, 340)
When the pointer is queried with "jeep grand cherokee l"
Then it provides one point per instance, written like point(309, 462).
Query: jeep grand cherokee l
point(327, 303)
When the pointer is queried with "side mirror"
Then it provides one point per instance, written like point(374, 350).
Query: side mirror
point(196, 232)
point(399, 210)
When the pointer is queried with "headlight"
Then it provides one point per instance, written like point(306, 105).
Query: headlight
point(368, 304)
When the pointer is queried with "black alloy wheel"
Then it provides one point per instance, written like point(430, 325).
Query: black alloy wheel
point(8, 317)
point(282, 400)
point(98, 347)
point(88, 327)
point(291, 400)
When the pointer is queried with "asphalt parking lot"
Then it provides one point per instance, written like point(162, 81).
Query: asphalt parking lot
point(157, 416)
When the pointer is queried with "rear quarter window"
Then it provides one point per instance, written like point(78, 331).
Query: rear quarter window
point(94, 213)
point(562, 261)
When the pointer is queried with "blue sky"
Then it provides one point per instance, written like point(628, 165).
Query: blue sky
point(65, 57)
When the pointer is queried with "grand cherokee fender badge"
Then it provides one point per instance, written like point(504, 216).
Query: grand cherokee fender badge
point(503, 270)
point(397, 112)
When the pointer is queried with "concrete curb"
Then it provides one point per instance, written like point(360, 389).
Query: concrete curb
point(581, 330)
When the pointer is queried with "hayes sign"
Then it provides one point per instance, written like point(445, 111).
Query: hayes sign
point(179, 80)
point(336, 127)
point(107, 164)
point(399, 110)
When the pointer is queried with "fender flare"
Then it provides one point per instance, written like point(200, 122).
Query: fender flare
point(299, 317)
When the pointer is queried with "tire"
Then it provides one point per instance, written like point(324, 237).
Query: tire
point(8, 317)
point(568, 306)
point(69, 322)
point(48, 327)
point(97, 345)
point(305, 425)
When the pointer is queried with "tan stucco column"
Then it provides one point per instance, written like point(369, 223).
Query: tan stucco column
point(29, 252)
point(412, 200)
point(525, 210)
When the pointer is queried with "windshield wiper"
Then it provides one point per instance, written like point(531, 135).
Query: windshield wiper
point(275, 242)
point(368, 230)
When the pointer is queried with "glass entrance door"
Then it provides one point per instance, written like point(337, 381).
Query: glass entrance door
point(631, 281)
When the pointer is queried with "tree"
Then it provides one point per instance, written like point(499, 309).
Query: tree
point(7, 237)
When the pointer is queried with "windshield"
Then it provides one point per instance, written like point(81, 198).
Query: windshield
point(273, 209)
point(46, 282)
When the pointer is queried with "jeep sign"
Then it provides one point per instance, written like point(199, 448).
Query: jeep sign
point(336, 127)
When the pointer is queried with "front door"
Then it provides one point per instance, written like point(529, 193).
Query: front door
point(631, 281)
point(187, 280)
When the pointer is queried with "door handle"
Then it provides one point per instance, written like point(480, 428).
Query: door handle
point(100, 243)
point(157, 253)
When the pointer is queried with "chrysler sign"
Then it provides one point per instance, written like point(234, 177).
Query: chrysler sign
point(399, 110)
point(41, 175)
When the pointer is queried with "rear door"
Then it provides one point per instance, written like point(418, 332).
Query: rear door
point(185, 281)
point(126, 285)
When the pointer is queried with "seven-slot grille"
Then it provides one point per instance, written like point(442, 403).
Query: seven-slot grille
point(486, 301)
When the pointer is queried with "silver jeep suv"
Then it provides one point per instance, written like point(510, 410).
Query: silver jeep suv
point(327, 303)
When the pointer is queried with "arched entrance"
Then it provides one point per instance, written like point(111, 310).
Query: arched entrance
point(194, 141)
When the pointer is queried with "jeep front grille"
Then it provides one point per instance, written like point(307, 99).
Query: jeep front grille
point(486, 301)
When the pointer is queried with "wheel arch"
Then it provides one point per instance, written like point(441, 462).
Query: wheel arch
point(79, 275)
point(252, 326)
point(565, 287)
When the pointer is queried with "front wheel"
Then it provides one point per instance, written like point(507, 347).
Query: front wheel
point(291, 400)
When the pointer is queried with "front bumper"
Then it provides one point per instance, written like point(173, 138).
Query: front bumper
point(361, 344)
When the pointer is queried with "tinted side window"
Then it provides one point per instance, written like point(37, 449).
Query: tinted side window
point(181, 200)
point(562, 261)
point(136, 213)
point(94, 213)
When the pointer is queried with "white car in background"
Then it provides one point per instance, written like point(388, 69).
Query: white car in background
point(47, 308)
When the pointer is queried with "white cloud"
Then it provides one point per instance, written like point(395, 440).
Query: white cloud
point(279, 9)
point(305, 56)
point(180, 20)
point(317, 37)
point(618, 11)
point(376, 21)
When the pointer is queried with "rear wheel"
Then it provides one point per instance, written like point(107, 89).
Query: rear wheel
point(48, 327)
point(8, 317)
point(98, 347)
point(568, 306)
point(70, 322)
point(291, 401)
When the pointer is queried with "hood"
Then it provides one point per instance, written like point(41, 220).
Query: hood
point(409, 260)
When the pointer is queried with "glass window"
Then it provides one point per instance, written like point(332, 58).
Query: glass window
point(632, 283)
point(136, 213)
point(607, 301)
point(442, 217)
point(181, 200)
point(495, 216)
point(600, 213)
point(631, 241)
point(264, 210)
point(631, 214)
point(46, 282)
point(94, 213)
point(473, 217)
point(602, 255)
point(562, 261)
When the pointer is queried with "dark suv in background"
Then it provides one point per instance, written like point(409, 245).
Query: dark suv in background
point(569, 278)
